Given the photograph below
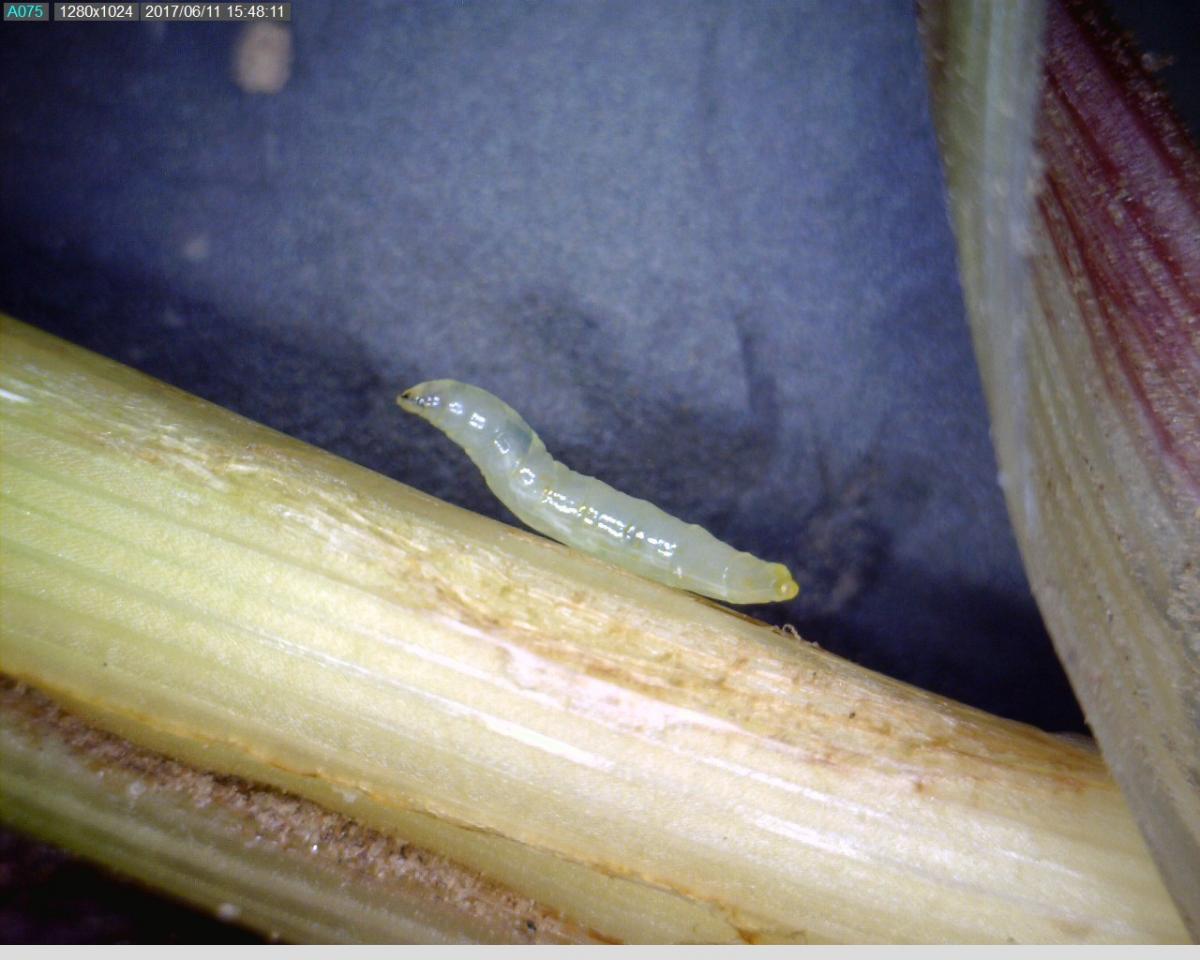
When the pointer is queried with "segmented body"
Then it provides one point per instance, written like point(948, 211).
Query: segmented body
point(584, 512)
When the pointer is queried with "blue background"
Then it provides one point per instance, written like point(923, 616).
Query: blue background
point(703, 248)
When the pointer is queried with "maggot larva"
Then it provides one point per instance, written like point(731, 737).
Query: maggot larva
point(587, 513)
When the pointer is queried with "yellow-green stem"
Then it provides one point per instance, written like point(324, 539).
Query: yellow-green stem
point(274, 862)
point(646, 765)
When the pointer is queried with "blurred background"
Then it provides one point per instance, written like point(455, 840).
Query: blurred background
point(702, 247)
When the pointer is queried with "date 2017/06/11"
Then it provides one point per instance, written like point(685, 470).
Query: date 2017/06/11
point(101, 11)
point(216, 11)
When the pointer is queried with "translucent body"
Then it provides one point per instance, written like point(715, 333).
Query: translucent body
point(584, 512)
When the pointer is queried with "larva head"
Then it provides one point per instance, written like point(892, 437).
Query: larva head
point(431, 401)
point(457, 408)
point(487, 428)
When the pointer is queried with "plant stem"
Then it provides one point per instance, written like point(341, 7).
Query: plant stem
point(1076, 204)
point(644, 764)
point(274, 862)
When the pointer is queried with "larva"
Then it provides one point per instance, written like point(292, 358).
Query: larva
point(584, 512)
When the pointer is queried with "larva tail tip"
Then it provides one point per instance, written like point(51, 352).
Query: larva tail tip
point(786, 586)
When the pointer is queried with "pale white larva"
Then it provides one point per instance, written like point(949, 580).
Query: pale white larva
point(585, 513)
